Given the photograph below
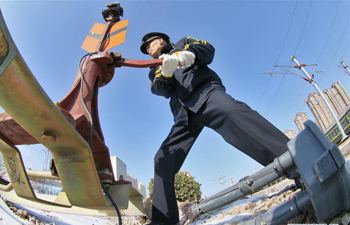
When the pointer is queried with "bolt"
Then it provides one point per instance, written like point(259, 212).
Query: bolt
point(48, 136)
point(249, 182)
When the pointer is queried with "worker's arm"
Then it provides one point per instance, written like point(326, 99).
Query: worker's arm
point(203, 51)
point(161, 85)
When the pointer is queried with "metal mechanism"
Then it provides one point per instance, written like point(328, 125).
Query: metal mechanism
point(321, 166)
point(345, 67)
point(66, 127)
point(114, 10)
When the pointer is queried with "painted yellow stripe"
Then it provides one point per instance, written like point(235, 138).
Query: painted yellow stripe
point(339, 133)
point(343, 118)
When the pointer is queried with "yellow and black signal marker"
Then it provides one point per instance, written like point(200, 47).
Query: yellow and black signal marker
point(115, 37)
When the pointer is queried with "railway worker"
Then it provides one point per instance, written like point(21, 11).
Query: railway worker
point(197, 100)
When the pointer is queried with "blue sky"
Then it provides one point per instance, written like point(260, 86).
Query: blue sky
point(250, 37)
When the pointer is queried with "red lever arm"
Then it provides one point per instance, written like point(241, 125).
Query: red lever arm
point(118, 61)
point(138, 63)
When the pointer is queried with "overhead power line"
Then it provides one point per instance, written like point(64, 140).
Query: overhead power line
point(307, 18)
point(300, 38)
point(329, 33)
point(284, 42)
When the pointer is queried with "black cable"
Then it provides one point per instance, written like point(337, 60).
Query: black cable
point(82, 100)
point(91, 136)
point(113, 203)
point(107, 39)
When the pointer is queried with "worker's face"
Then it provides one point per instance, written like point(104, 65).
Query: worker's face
point(153, 48)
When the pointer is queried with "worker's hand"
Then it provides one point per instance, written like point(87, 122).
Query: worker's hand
point(186, 58)
point(170, 64)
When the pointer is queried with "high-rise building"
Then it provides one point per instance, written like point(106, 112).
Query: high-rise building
point(320, 110)
point(290, 133)
point(337, 98)
point(300, 119)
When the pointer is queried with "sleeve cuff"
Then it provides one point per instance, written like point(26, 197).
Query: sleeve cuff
point(166, 78)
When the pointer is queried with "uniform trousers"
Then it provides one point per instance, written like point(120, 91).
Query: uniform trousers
point(235, 121)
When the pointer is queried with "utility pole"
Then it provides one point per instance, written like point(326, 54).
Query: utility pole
point(311, 81)
point(223, 181)
point(345, 67)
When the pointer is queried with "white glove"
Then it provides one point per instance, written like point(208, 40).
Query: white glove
point(186, 58)
point(170, 64)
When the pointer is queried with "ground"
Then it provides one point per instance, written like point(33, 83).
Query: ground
point(251, 206)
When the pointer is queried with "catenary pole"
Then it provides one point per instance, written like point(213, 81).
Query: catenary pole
point(311, 80)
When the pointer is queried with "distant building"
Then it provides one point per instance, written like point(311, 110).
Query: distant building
point(290, 133)
point(139, 186)
point(300, 119)
point(119, 168)
point(336, 97)
point(320, 111)
point(120, 171)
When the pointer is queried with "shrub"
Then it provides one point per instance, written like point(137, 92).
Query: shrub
point(186, 188)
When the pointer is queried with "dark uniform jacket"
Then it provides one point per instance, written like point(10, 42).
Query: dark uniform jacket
point(190, 87)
